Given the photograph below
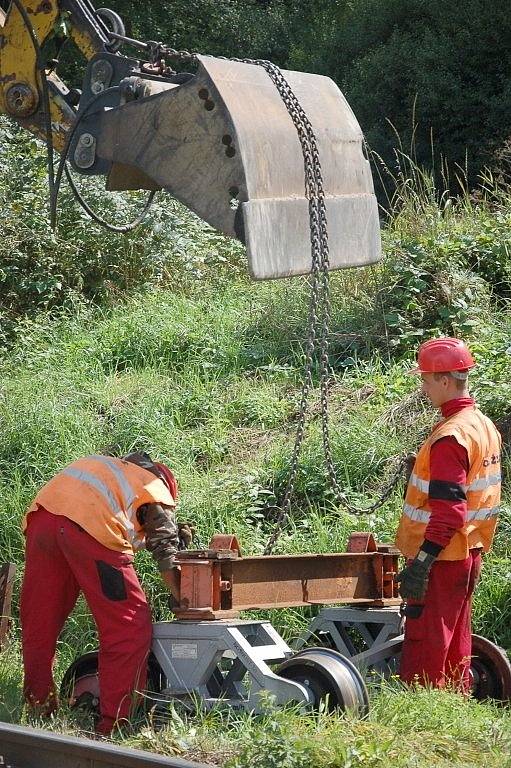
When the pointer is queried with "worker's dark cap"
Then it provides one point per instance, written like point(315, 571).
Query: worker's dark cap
point(142, 459)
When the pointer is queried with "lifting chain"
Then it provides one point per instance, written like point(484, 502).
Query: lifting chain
point(319, 302)
point(319, 313)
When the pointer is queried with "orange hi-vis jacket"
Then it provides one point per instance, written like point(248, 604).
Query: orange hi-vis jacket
point(102, 495)
point(479, 436)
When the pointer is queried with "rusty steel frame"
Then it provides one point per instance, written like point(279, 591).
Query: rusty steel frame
point(219, 583)
point(7, 573)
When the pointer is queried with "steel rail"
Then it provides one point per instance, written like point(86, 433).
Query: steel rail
point(32, 748)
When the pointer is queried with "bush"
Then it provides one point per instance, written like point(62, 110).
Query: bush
point(423, 295)
point(43, 270)
point(404, 69)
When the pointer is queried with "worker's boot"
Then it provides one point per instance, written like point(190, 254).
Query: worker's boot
point(42, 709)
point(104, 726)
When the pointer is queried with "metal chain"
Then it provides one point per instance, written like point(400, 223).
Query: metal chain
point(319, 276)
point(319, 313)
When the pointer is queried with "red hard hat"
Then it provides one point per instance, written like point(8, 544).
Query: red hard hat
point(439, 355)
point(168, 478)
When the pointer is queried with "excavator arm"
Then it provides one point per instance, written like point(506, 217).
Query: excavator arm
point(221, 139)
point(29, 33)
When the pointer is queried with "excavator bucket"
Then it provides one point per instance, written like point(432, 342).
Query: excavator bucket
point(224, 144)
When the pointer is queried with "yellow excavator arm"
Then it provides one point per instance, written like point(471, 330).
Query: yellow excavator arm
point(239, 143)
point(24, 27)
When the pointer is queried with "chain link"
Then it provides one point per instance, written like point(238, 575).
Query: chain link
point(319, 312)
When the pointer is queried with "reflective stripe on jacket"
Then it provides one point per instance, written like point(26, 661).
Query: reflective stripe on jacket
point(102, 495)
point(479, 436)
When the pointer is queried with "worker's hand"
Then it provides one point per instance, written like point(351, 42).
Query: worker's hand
point(172, 580)
point(413, 579)
point(186, 532)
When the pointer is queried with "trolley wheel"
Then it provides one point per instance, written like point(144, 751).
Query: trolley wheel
point(330, 677)
point(490, 671)
point(80, 684)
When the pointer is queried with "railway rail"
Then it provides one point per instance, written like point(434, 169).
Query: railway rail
point(31, 748)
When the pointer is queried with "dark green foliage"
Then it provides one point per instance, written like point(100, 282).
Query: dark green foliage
point(41, 269)
point(241, 28)
point(427, 292)
point(437, 70)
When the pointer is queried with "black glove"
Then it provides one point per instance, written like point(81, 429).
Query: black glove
point(413, 579)
point(186, 532)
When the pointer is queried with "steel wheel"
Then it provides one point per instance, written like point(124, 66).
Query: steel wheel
point(80, 684)
point(490, 671)
point(330, 677)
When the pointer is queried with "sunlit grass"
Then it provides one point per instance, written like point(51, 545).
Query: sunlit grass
point(206, 376)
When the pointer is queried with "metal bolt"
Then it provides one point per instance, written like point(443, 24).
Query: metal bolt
point(100, 70)
point(21, 100)
point(97, 87)
point(85, 152)
point(101, 73)
point(86, 140)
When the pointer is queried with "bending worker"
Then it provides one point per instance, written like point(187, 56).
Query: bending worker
point(449, 518)
point(81, 531)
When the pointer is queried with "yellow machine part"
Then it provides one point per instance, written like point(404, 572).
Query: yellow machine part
point(20, 82)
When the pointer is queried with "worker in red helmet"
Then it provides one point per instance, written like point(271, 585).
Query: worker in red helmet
point(449, 517)
point(81, 533)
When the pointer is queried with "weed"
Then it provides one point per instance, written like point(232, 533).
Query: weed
point(205, 375)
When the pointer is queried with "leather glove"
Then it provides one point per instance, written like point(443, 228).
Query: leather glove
point(413, 579)
point(186, 532)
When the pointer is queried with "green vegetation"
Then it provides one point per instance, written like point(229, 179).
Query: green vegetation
point(160, 341)
point(41, 270)
point(433, 72)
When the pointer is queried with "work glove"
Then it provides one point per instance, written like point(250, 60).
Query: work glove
point(413, 579)
point(186, 533)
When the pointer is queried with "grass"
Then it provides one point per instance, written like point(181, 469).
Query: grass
point(204, 374)
point(188, 380)
point(408, 728)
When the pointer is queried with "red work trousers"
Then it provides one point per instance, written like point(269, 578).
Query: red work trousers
point(62, 560)
point(438, 635)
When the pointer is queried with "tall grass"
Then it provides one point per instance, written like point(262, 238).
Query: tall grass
point(205, 375)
